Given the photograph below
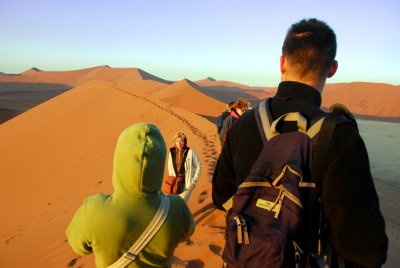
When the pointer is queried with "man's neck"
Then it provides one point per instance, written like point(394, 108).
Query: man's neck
point(318, 84)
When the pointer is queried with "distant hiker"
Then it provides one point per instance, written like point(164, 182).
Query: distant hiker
point(353, 226)
point(224, 115)
point(184, 162)
point(108, 225)
point(238, 108)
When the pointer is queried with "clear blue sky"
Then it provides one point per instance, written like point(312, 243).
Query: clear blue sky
point(233, 40)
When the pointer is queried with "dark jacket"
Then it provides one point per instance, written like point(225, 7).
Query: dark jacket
point(351, 204)
point(227, 124)
point(220, 120)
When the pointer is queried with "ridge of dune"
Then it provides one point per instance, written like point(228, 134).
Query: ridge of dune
point(188, 95)
point(205, 81)
point(68, 77)
point(76, 77)
point(147, 76)
point(68, 156)
point(31, 87)
point(144, 82)
point(32, 71)
point(226, 91)
point(212, 82)
point(368, 99)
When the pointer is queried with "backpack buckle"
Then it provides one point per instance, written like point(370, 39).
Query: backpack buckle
point(297, 252)
point(130, 256)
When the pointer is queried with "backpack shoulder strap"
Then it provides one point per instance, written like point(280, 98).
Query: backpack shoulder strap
point(264, 119)
point(146, 236)
point(320, 161)
point(338, 114)
point(268, 127)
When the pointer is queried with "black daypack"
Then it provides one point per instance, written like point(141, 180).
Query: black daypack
point(279, 197)
point(220, 120)
point(268, 223)
point(267, 212)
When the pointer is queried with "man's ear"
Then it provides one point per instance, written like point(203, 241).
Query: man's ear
point(283, 65)
point(333, 69)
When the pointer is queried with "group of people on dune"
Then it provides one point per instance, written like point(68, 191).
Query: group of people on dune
point(139, 225)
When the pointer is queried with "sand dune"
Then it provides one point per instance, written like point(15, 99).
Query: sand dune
point(211, 82)
point(77, 77)
point(369, 99)
point(7, 114)
point(188, 95)
point(20, 92)
point(18, 97)
point(373, 99)
point(23, 96)
point(14, 78)
point(61, 151)
point(130, 78)
point(226, 91)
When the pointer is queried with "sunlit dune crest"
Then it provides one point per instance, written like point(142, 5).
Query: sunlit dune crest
point(188, 95)
point(31, 72)
point(370, 99)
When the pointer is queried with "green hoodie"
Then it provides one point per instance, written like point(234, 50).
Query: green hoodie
point(108, 225)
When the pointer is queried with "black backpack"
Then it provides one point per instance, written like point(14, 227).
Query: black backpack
point(220, 120)
point(268, 223)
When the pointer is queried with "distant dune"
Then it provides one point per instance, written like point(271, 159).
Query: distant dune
point(76, 77)
point(226, 91)
point(188, 95)
point(371, 99)
point(38, 81)
point(364, 99)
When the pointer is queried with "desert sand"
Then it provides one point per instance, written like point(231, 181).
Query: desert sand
point(59, 152)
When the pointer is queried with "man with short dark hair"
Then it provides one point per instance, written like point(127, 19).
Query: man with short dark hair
point(350, 202)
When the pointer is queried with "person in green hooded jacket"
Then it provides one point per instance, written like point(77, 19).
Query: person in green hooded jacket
point(108, 225)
